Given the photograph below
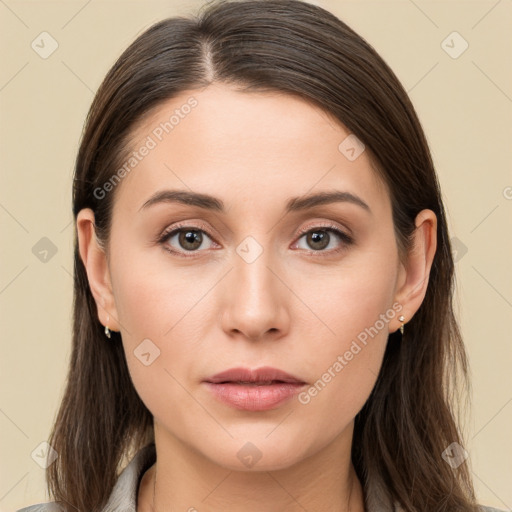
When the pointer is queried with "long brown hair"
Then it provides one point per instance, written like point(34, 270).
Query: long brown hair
point(300, 49)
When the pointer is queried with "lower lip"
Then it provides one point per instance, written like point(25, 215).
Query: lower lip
point(249, 397)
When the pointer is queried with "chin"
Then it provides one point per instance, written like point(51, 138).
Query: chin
point(258, 453)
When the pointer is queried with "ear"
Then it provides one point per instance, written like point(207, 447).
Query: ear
point(414, 275)
point(95, 262)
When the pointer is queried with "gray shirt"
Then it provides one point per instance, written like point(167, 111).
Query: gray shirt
point(124, 494)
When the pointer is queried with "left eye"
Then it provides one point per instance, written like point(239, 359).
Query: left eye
point(319, 239)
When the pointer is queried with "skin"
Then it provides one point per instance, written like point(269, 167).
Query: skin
point(292, 308)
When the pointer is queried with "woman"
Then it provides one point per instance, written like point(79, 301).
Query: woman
point(263, 280)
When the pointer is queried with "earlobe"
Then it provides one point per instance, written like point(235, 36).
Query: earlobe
point(96, 265)
point(414, 285)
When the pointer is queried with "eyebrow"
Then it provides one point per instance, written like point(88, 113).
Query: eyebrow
point(212, 203)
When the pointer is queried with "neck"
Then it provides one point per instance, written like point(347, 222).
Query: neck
point(182, 479)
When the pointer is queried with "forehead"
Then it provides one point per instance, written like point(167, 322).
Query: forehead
point(247, 146)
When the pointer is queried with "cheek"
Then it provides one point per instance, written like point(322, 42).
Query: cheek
point(157, 353)
point(161, 313)
point(151, 295)
point(347, 299)
point(140, 299)
point(355, 306)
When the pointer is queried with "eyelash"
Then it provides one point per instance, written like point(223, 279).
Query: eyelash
point(346, 239)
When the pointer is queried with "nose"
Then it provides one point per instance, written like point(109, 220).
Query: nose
point(255, 300)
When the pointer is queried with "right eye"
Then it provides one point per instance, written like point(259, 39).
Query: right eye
point(182, 239)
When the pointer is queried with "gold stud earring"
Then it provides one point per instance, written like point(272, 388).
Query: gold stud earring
point(401, 318)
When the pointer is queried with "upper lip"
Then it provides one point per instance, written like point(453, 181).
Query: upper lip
point(263, 374)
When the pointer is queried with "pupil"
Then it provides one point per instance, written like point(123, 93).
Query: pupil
point(319, 237)
point(190, 239)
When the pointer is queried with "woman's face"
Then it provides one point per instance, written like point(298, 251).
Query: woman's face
point(248, 287)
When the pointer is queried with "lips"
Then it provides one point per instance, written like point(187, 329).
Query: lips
point(254, 390)
point(261, 376)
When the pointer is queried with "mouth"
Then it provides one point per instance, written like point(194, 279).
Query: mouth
point(249, 383)
point(254, 390)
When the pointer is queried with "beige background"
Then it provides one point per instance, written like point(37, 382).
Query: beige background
point(465, 105)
